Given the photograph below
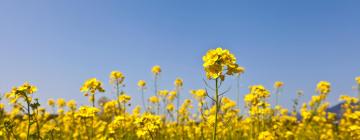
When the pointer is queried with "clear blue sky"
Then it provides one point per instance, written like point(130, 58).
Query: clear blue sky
point(57, 45)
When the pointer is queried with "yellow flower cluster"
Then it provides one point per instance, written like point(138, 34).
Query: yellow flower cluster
point(256, 95)
point(147, 125)
point(357, 79)
point(154, 99)
point(116, 77)
point(24, 91)
point(218, 60)
point(86, 112)
point(124, 98)
point(323, 87)
point(178, 82)
point(278, 84)
point(156, 70)
point(92, 85)
point(141, 84)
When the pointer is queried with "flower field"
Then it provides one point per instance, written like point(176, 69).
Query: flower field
point(164, 116)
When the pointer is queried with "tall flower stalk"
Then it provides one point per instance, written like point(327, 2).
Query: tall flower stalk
point(116, 79)
point(278, 86)
point(216, 62)
point(156, 70)
point(178, 83)
point(25, 91)
point(142, 85)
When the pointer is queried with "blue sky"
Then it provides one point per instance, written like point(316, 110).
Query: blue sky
point(57, 45)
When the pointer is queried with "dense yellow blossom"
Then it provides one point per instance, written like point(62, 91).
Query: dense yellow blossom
point(141, 83)
point(92, 85)
point(217, 60)
point(154, 99)
point(323, 87)
point(116, 77)
point(178, 82)
point(156, 70)
point(86, 111)
point(51, 102)
point(357, 79)
point(124, 98)
point(278, 84)
point(60, 102)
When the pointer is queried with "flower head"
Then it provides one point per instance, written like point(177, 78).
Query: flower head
point(124, 98)
point(156, 70)
point(86, 111)
point(357, 79)
point(141, 84)
point(266, 135)
point(323, 87)
point(170, 107)
point(24, 91)
point(154, 99)
point(178, 82)
point(71, 104)
point(217, 60)
point(278, 84)
point(60, 102)
point(116, 77)
point(51, 102)
point(92, 85)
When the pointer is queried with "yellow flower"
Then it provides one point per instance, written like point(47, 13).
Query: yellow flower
point(178, 82)
point(86, 111)
point(24, 91)
point(163, 93)
point(266, 135)
point(217, 60)
point(116, 77)
point(141, 84)
point(27, 88)
point(61, 102)
point(124, 98)
point(23, 135)
point(198, 94)
point(92, 85)
point(71, 104)
point(147, 125)
point(51, 102)
point(278, 84)
point(170, 107)
point(172, 95)
point(357, 79)
point(2, 106)
point(154, 99)
point(323, 87)
point(156, 70)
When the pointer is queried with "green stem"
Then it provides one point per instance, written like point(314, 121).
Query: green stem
point(155, 85)
point(216, 108)
point(177, 104)
point(117, 95)
point(143, 99)
point(238, 91)
point(29, 117)
point(93, 99)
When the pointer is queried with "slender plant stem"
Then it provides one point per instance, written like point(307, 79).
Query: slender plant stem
point(216, 108)
point(93, 99)
point(143, 98)
point(117, 95)
point(155, 85)
point(238, 91)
